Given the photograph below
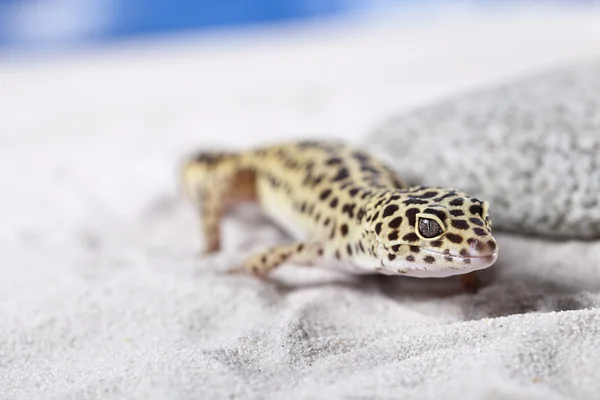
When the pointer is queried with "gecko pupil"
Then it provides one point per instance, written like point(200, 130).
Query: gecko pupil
point(429, 228)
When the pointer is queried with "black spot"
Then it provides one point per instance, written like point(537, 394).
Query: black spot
point(438, 213)
point(263, 259)
point(475, 209)
point(457, 202)
point(380, 202)
point(410, 258)
point(333, 161)
point(360, 214)
point(492, 245)
point(344, 229)
point(326, 222)
point(300, 247)
point(337, 254)
point(378, 228)
point(437, 243)
point(393, 236)
point(414, 201)
point(320, 251)
point(391, 257)
point(448, 258)
point(410, 237)
point(361, 157)
point(352, 192)
point(367, 168)
point(349, 249)
point(209, 158)
point(457, 213)
point(389, 210)
point(349, 209)
point(317, 217)
point(361, 247)
point(341, 175)
point(324, 194)
point(414, 249)
point(464, 252)
point(454, 238)
point(334, 202)
point(375, 216)
point(449, 194)
point(479, 232)
point(395, 223)
point(272, 180)
point(365, 195)
point(476, 221)
point(460, 224)
point(317, 180)
point(303, 207)
point(411, 214)
point(396, 247)
point(428, 195)
point(308, 144)
point(429, 259)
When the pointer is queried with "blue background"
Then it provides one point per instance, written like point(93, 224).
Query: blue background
point(31, 25)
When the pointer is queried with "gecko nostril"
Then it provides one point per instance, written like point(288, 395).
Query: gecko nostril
point(474, 244)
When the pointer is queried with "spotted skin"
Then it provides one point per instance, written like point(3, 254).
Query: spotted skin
point(347, 209)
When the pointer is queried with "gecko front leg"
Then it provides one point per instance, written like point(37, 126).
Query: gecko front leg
point(214, 182)
point(212, 212)
point(261, 263)
point(470, 282)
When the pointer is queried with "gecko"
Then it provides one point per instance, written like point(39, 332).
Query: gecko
point(345, 209)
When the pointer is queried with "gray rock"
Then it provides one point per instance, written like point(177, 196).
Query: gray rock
point(531, 147)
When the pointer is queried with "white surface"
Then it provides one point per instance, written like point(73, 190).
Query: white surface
point(100, 296)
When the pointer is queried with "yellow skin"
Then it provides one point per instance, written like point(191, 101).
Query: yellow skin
point(347, 210)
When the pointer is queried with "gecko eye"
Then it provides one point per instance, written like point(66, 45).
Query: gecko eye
point(428, 228)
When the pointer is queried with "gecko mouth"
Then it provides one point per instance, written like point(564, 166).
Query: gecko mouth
point(428, 263)
point(448, 253)
point(460, 256)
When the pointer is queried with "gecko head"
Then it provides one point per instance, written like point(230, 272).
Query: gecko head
point(431, 232)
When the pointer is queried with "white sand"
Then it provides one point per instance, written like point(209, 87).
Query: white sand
point(100, 296)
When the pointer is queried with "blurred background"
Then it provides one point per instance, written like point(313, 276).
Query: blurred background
point(50, 25)
point(100, 99)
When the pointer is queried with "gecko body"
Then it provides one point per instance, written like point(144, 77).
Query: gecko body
point(345, 208)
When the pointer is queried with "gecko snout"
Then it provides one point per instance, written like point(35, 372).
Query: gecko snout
point(480, 248)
